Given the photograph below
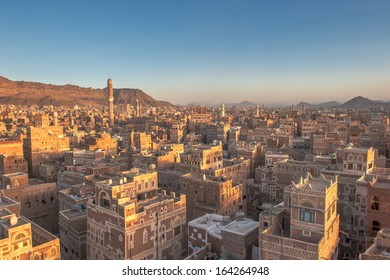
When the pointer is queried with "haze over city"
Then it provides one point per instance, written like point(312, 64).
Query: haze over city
point(185, 51)
point(281, 150)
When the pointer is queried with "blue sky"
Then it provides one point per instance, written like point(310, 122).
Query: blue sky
point(215, 51)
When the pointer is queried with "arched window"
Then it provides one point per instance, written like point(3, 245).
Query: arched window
point(53, 252)
point(105, 200)
point(20, 236)
point(376, 226)
point(374, 202)
point(163, 235)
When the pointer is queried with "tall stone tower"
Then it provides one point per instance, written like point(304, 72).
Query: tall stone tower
point(110, 103)
point(257, 111)
point(137, 109)
point(222, 110)
point(55, 119)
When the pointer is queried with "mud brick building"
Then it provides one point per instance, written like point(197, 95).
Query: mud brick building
point(21, 239)
point(130, 219)
point(305, 225)
point(208, 194)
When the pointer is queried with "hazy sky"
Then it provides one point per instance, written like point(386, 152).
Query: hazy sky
point(216, 51)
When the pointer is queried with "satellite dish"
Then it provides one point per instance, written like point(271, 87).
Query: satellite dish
point(125, 179)
point(110, 182)
point(8, 187)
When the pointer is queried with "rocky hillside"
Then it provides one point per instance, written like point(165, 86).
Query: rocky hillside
point(361, 102)
point(29, 93)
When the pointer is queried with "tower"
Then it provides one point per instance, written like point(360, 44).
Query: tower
point(137, 109)
point(257, 111)
point(55, 119)
point(222, 110)
point(110, 103)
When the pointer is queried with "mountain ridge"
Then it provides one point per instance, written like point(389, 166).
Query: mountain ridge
point(36, 93)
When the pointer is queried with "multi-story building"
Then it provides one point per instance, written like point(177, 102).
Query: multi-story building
point(141, 141)
point(39, 202)
point(11, 157)
point(289, 170)
point(73, 234)
point(73, 220)
point(380, 249)
point(305, 225)
point(82, 157)
point(324, 144)
point(130, 219)
point(222, 132)
point(102, 141)
point(378, 207)
point(225, 238)
point(41, 120)
point(208, 194)
point(44, 145)
point(250, 151)
point(199, 116)
point(162, 159)
point(234, 134)
point(358, 160)
point(177, 133)
point(353, 186)
point(306, 127)
point(202, 157)
point(21, 239)
point(237, 169)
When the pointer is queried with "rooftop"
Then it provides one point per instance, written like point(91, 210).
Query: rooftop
point(210, 221)
point(381, 246)
point(315, 184)
point(71, 214)
point(203, 177)
point(242, 226)
point(6, 201)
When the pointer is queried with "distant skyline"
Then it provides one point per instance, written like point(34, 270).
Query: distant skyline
point(206, 51)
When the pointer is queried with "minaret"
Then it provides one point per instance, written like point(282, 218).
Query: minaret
point(137, 109)
point(110, 103)
point(55, 119)
point(222, 110)
point(257, 111)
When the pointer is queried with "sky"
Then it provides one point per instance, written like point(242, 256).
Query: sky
point(267, 52)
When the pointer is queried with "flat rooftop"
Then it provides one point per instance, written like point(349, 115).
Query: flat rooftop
point(241, 227)
point(6, 201)
point(71, 214)
point(201, 177)
point(209, 221)
point(316, 184)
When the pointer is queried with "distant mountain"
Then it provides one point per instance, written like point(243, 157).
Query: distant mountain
point(361, 102)
point(227, 105)
point(196, 103)
point(301, 104)
point(246, 104)
point(330, 104)
point(29, 93)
